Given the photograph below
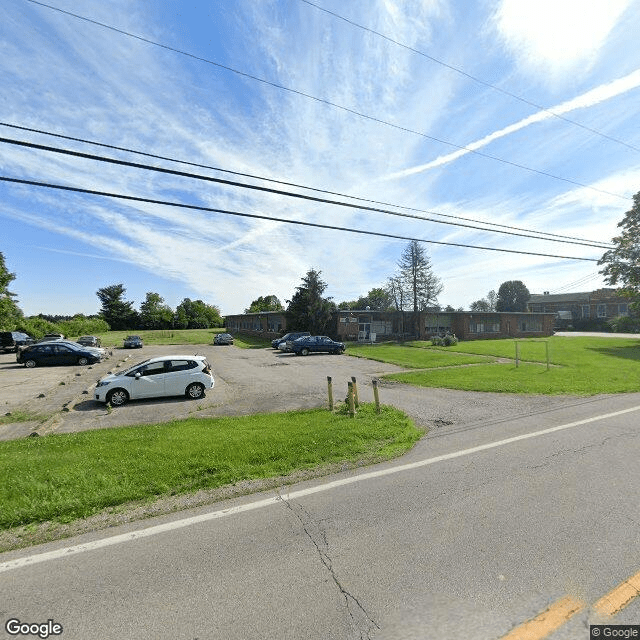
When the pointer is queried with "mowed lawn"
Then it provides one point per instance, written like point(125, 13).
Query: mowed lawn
point(67, 476)
point(578, 366)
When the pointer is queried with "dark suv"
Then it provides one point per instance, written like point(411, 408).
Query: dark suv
point(12, 340)
point(288, 337)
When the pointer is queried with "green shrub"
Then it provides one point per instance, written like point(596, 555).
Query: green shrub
point(448, 340)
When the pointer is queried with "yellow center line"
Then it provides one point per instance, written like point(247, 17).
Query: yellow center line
point(619, 597)
point(548, 621)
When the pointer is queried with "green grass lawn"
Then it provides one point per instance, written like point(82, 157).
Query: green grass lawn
point(180, 336)
point(161, 336)
point(580, 366)
point(404, 356)
point(67, 476)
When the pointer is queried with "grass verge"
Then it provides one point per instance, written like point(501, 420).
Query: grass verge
point(69, 476)
point(404, 356)
point(580, 366)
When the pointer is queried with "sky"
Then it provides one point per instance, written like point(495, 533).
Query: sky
point(512, 115)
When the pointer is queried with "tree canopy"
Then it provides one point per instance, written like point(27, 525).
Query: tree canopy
point(118, 313)
point(414, 287)
point(154, 313)
point(308, 310)
point(196, 314)
point(513, 296)
point(622, 263)
point(10, 313)
point(486, 304)
point(265, 303)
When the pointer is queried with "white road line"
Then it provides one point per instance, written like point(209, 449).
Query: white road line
point(259, 504)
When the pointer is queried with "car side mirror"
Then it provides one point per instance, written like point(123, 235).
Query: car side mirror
point(138, 375)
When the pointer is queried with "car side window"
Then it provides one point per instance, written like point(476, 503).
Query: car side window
point(151, 369)
point(181, 365)
point(61, 349)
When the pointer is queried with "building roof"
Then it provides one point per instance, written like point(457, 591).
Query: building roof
point(583, 296)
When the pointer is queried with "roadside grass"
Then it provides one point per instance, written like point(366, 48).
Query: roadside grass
point(580, 366)
point(409, 358)
point(161, 336)
point(64, 477)
point(245, 341)
point(13, 417)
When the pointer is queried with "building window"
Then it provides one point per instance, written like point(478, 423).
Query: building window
point(602, 311)
point(585, 311)
point(484, 327)
point(623, 309)
point(344, 319)
point(530, 325)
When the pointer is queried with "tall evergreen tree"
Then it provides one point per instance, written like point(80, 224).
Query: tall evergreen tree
point(420, 285)
point(308, 310)
point(118, 313)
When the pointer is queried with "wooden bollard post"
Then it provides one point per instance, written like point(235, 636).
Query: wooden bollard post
point(330, 389)
point(355, 391)
point(352, 406)
point(375, 395)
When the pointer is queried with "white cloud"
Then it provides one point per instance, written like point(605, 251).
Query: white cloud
point(590, 98)
point(555, 37)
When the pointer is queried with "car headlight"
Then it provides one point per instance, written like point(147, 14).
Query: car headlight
point(103, 383)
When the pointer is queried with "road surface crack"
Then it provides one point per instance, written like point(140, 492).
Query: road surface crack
point(361, 621)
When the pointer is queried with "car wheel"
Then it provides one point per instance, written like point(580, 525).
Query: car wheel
point(83, 361)
point(305, 352)
point(195, 391)
point(30, 364)
point(117, 397)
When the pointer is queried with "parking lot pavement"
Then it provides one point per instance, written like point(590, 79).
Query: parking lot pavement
point(247, 381)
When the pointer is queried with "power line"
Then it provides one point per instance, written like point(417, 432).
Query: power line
point(469, 76)
point(233, 183)
point(329, 103)
point(293, 184)
point(273, 219)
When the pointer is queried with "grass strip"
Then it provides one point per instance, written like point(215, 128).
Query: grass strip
point(413, 358)
point(68, 476)
point(581, 366)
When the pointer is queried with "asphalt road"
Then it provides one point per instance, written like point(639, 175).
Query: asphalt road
point(479, 529)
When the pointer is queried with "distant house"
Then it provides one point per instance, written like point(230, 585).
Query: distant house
point(376, 326)
point(600, 305)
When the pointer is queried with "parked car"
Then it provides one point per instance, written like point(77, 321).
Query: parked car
point(51, 337)
point(288, 337)
point(56, 352)
point(314, 344)
point(13, 340)
point(162, 376)
point(133, 342)
point(89, 341)
point(223, 338)
point(99, 351)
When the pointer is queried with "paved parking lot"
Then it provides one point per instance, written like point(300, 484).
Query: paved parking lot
point(246, 381)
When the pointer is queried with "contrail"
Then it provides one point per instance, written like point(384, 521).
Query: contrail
point(589, 99)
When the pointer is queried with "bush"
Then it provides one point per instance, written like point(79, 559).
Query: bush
point(624, 324)
point(446, 341)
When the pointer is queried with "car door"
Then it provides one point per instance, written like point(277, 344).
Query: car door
point(150, 383)
point(63, 354)
point(179, 374)
point(43, 354)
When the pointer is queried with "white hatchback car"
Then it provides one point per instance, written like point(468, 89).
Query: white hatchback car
point(161, 376)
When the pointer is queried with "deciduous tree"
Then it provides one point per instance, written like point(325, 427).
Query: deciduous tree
point(154, 313)
point(513, 296)
point(622, 263)
point(10, 313)
point(266, 303)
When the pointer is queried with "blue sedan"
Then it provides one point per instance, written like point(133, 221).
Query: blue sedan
point(49, 353)
point(316, 344)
